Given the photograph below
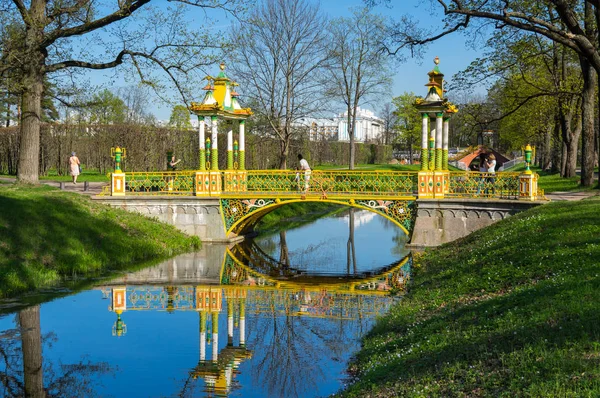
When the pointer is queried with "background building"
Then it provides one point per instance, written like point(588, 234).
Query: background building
point(368, 127)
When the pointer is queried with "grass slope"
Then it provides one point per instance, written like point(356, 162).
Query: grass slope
point(47, 235)
point(510, 311)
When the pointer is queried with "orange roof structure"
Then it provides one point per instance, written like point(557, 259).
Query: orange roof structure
point(468, 159)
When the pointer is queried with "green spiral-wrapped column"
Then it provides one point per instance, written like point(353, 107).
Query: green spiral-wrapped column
point(230, 149)
point(445, 142)
point(242, 164)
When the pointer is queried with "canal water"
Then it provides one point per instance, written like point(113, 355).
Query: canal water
point(278, 316)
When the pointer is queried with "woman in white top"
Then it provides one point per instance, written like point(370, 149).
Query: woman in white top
point(306, 168)
point(491, 169)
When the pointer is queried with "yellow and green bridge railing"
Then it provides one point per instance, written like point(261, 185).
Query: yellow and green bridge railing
point(247, 195)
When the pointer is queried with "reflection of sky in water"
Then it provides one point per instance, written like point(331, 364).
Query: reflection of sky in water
point(292, 356)
point(300, 339)
point(322, 245)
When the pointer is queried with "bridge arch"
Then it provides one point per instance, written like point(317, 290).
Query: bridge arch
point(240, 215)
point(244, 263)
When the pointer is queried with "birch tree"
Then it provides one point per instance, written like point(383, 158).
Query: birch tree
point(358, 70)
point(279, 56)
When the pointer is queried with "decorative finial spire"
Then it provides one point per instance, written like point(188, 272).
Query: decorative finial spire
point(436, 60)
point(222, 66)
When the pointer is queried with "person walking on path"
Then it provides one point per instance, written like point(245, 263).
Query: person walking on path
point(303, 166)
point(74, 166)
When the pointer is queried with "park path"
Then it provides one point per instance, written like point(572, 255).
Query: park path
point(94, 188)
point(571, 195)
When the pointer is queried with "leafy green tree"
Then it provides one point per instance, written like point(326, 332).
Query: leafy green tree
point(180, 118)
point(107, 108)
point(53, 38)
point(408, 120)
point(572, 24)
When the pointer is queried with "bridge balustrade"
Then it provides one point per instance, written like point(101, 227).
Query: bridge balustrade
point(330, 183)
point(487, 185)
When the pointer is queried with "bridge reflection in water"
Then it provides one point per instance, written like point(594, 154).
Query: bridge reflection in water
point(247, 282)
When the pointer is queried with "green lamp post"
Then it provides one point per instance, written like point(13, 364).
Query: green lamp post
point(118, 154)
point(119, 328)
point(528, 152)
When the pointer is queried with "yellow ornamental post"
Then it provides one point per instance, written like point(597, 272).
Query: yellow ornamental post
point(117, 185)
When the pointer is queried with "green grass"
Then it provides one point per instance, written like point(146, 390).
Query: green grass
point(553, 182)
point(86, 175)
point(510, 311)
point(47, 235)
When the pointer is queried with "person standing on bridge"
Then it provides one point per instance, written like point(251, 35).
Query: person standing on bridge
point(490, 164)
point(482, 170)
point(303, 166)
point(173, 163)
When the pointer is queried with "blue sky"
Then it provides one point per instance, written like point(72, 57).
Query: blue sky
point(410, 75)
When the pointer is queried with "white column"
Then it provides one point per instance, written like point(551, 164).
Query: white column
point(424, 150)
point(230, 329)
point(424, 132)
point(438, 132)
point(242, 331)
point(213, 137)
point(242, 142)
point(202, 346)
point(201, 137)
point(445, 144)
point(215, 347)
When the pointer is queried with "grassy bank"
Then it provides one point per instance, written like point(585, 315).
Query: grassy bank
point(511, 311)
point(47, 235)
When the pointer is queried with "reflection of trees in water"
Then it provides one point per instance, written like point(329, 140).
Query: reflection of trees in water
point(287, 349)
point(24, 373)
point(327, 252)
point(400, 238)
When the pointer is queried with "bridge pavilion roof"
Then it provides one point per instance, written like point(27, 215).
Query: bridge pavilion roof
point(435, 100)
point(221, 99)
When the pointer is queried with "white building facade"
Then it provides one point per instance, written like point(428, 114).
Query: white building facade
point(369, 127)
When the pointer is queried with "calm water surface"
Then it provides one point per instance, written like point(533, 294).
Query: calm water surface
point(279, 316)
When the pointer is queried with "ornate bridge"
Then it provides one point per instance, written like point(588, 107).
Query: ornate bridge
point(245, 196)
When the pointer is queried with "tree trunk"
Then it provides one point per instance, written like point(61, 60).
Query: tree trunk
point(29, 148)
point(588, 131)
point(31, 106)
point(547, 159)
point(31, 340)
point(284, 148)
point(351, 131)
point(570, 137)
